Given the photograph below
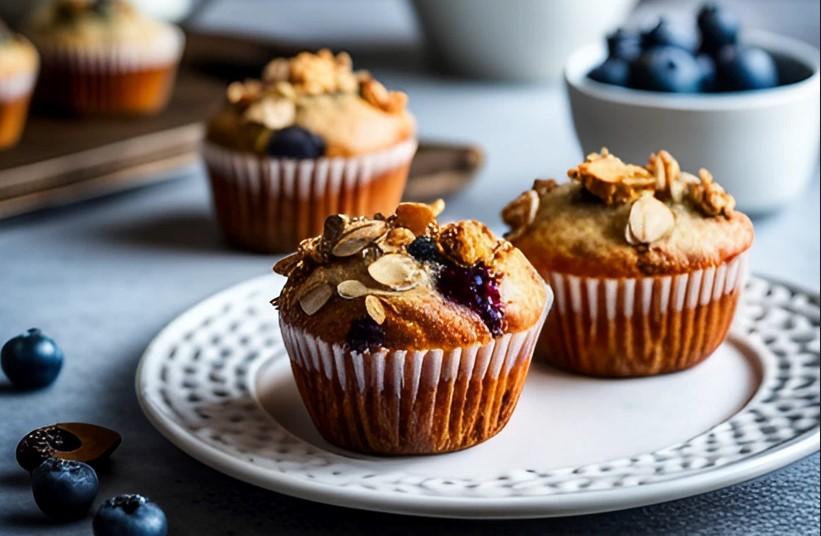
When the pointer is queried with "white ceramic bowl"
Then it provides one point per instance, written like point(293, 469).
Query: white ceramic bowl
point(522, 40)
point(762, 146)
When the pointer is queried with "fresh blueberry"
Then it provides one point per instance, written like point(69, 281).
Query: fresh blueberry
point(668, 69)
point(130, 515)
point(709, 80)
point(614, 71)
point(423, 249)
point(745, 68)
point(668, 34)
point(719, 28)
point(296, 142)
point(365, 334)
point(31, 360)
point(64, 489)
point(477, 289)
point(623, 44)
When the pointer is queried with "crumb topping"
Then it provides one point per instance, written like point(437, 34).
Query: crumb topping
point(384, 260)
point(650, 191)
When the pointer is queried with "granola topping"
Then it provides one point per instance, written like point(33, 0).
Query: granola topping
point(608, 178)
point(368, 259)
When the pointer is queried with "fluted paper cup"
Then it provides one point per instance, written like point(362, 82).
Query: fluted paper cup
point(410, 402)
point(270, 204)
point(640, 326)
point(116, 79)
point(15, 94)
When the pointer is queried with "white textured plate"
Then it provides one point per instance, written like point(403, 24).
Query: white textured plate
point(217, 383)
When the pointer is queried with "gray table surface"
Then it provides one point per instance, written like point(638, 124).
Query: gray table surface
point(104, 276)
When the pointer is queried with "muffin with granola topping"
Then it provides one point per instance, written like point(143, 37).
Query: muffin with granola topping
point(104, 56)
point(310, 139)
point(407, 337)
point(647, 263)
point(18, 70)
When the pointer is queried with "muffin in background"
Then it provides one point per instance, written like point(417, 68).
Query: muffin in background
point(647, 263)
point(18, 71)
point(310, 139)
point(104, 56)
point(407, 337)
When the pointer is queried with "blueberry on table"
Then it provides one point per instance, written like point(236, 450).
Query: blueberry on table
point(746, 68)
point(64, 489)
point(130, 515)
point(296, 142)
point(623, 44)
point(719, 28)
point(668, 34)
point(614, 71)
point(31, 360)
point(667, 69)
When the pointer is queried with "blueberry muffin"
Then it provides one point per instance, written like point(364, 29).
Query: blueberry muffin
point(407, 337)
point(310, 139)
point(647, 263)
point(104, 56)
point(18, 71)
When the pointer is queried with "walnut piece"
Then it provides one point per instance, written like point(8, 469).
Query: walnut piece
point(521, 212)
point(710, 197)
point(467, 242)
point(375, 94)
point(611, 180)
point(271, 112)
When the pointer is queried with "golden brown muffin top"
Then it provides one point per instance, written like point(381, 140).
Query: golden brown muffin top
point(622, 220)
point(17, 55)
point(93, 23)
point(405, 282)
point(349, 110)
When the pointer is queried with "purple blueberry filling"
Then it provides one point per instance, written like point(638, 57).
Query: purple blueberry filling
point(477, 289)
point(365, 334)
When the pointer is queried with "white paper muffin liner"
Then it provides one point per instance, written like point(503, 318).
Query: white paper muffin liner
point(403, 402)
point(17, 85)
point(640, 326)
point(270, 204)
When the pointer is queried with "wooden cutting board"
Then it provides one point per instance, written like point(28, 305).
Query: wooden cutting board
point(66, 159)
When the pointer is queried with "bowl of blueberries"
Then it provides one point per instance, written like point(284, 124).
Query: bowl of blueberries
point(743, 104)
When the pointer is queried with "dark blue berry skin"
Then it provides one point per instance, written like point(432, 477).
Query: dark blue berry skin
point(296, 142)
point(718, 26)
point(746, 68)
point(614, 71)
point(709, 75)
point(668, 34)
point(64, 489)
point(130, 515)
point(623, 44)
point(365, 334)
point(477, 289)
point(31, 360)
point(423, 249)
point(667, 69)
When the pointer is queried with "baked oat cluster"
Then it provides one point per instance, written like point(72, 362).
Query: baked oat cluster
point(382, 258)
point(272, 101)
point(650, 191)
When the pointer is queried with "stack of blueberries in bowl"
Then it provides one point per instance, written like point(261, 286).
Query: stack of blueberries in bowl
point(744, 104)
point(673, 58)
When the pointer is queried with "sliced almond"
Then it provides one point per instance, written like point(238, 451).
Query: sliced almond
point(287, 264)
point(313, 300)
point(397, 271)
point(415, 216)
point(437, 206)
point(357, 236)
point(396, 239)
point(272, 113)
point(352, 289)
point(649, 220)
point(376, 311)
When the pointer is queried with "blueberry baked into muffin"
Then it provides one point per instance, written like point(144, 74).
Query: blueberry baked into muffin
point(104, 56)
point(407, 337)
point(310, 139)
point(18, 71)
point(647, 263)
